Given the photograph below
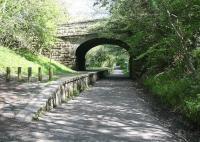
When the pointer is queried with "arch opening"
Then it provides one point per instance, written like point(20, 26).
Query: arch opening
point(83, 49)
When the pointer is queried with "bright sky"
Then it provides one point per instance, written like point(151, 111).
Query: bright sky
point(83, 9)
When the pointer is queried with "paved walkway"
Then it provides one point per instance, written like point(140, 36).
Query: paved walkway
point(15, 96)
point(111, 111)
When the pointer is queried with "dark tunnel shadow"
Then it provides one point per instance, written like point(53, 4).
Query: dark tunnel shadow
point(89, 44)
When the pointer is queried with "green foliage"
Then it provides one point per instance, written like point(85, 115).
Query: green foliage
point(107, 56)
point(24, 58)
point(192, 108)
point(179, 91)
point(28, 23)
point(167, 86)
point(165, 38)
point(99, 58)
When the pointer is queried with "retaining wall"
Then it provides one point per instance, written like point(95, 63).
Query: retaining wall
point(59, 93)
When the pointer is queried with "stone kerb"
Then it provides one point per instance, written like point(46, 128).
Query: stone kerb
point(58, 93)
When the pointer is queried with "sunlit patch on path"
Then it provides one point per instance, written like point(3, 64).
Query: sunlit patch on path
point(111, 111)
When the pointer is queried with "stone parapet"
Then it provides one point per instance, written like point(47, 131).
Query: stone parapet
point(57, 93)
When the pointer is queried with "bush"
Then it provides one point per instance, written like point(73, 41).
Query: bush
point(28, 23)
point(164, 36)
point(106, 56)
point(178, 90)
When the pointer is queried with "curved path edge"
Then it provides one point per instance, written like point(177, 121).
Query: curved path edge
point(56, 93)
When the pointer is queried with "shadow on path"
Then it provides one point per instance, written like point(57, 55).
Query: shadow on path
point(111, 111)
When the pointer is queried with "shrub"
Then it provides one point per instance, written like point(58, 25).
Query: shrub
point(28, 23)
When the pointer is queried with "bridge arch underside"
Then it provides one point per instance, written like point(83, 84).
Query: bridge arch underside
point(89, 44)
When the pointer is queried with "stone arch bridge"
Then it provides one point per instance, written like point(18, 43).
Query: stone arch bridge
point(76, 39)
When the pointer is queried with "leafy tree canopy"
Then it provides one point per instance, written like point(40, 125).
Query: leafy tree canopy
point(164, 36)
point(29, 23)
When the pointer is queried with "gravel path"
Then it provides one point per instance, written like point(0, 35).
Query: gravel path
point(111, 111)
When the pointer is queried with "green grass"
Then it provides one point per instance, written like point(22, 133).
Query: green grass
point(23, 58)
point(180, 92)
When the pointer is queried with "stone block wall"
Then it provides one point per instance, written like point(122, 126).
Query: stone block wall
point(63, 52)
point(69, 89)
point(69, 38)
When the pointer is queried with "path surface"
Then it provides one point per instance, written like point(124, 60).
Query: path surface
point(15, 96)
point(111, 111)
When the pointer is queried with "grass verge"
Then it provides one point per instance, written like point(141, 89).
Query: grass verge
point(179, 91)
point(24, 58)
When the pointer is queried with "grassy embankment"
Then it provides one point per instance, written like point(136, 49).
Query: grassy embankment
point(179, 91)
point(23, 58)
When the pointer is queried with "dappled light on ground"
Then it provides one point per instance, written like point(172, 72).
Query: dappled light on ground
point(110, 111)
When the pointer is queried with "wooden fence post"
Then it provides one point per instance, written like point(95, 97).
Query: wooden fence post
point(29, 73)
point(8, 74)
point(50, 74)
point(39, 74)
point(19, 73)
